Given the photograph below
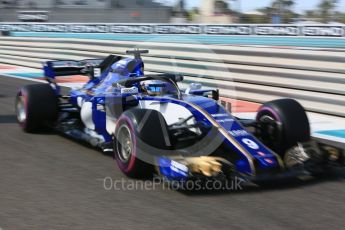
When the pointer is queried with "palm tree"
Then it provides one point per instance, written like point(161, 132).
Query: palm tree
point(326, 8)
point(309, 14)
point(284, 9)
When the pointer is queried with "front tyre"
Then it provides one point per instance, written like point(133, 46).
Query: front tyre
point(139, 134)
point(36, 107)
point(284, 123)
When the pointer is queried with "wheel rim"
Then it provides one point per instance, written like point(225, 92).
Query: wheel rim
point(271, 135)
point(21, 110)
point(125, 144)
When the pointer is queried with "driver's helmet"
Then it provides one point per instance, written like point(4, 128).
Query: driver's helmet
point(155, 87)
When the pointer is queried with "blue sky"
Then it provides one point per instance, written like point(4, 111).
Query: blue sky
point(249, 5)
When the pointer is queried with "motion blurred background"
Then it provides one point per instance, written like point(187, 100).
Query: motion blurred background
point(175, 11)
point(50, 182)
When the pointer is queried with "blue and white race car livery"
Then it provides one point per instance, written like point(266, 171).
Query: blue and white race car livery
point(152, 126)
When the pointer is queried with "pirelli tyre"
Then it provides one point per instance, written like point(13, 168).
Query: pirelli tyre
point(284, 123)
point(139, 134)
point(36, 107)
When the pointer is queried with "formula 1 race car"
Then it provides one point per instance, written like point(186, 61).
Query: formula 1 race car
point(153, 126)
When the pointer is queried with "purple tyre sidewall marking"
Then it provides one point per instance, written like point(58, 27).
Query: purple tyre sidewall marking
point(130, 166)
point(271, 111)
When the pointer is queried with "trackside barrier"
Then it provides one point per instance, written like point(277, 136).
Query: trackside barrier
point(322, 30)
point(314, 77)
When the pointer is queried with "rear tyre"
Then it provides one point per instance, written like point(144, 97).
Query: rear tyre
point(139, 134)
point(284, 123)
point(36, 107)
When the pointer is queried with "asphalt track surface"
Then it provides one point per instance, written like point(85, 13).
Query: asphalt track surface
point(50, 182)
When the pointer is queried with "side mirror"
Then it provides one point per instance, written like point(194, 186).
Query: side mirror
point(192, 87)
point(215, 94)
point(195, 86)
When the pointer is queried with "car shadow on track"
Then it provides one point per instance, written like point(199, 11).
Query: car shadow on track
point(8, 119)
point(335, 175)
point(283, 184)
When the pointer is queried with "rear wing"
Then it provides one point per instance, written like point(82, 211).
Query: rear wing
point(54, 69)
point(92, 67)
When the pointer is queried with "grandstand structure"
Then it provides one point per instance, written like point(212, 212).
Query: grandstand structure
point(120, 11)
